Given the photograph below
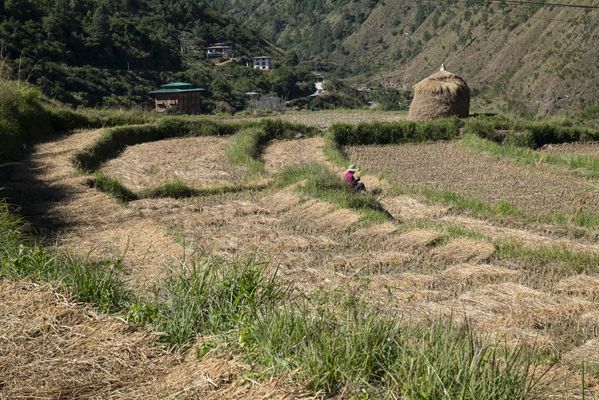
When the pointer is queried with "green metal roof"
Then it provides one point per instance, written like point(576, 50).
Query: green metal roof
point(177, 90)
point(177, 87)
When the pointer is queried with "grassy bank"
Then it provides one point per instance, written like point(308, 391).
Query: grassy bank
point(114, 141)
point(381, 133)
point(584, 165)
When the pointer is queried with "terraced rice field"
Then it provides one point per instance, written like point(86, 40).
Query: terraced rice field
point(537, 190)
point(425, 262)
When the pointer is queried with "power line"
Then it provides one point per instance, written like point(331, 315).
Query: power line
point(537, 3)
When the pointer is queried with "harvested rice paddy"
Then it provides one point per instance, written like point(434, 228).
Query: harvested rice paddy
point(519, 283)
point(536, 190)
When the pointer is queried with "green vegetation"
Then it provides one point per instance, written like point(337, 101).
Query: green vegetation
point(177, 190)
point(113, 187)
point(95, 283)
point(215, 297)
point(533, 134)
point(578, 261)
point(111, 53)
point(463, 203)
point(523, 155)
point(319, 182)
point(244, 150)
point(394, 132)
point(357, 350)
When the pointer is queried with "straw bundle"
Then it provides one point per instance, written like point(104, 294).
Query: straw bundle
point(441, 95)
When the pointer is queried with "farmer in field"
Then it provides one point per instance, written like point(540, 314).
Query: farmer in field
point(353, 182)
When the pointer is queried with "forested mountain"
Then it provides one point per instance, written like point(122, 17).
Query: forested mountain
point(517, 56)
point(111, 52)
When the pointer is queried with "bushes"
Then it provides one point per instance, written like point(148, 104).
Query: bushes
point(528, 133)
point(22, 118)
point(394, 132)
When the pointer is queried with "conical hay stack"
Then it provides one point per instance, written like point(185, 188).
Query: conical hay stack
point(441, 95)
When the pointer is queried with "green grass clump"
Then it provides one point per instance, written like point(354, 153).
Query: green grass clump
point(578, 261)
point(333, 151)
point(463, 203)
point(362, 353)
point(526, 156)
point(214, 297)
point(394, 132)
point(244, 149)
point(113, 187)
point(318, 182)
point(533, 134)
point(95, 283)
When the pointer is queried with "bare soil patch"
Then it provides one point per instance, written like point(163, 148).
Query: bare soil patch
point(197, 161)
point(445, 165)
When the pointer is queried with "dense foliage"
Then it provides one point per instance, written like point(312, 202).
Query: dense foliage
point(109, 52)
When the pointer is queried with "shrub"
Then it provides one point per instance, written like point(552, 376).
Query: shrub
point(394, 132)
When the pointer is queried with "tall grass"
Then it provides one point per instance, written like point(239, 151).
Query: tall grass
point(213, 297)
point(319, 182)
point(244, 149)
point(578, 261)
point(96, 283)
point(533, 134)
point(394, 132)
point(464, 203)
point(526, 156)
point(362, 354)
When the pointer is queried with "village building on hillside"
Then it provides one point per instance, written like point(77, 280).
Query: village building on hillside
point(263, 63)
point(178, 96)
point(219, 51)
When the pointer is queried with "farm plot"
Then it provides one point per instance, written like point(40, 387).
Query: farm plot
point(537, 190)
point(284, 153)
point(420, 272)
point(583, 149)
point(195, 161)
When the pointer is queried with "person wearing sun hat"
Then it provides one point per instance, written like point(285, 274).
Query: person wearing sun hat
point(353, 182)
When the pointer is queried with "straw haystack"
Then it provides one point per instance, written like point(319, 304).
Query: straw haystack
point(441, 95)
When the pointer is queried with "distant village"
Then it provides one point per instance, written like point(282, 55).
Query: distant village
point(186, 98)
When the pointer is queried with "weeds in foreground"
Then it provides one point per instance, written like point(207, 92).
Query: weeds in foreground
point(213, 297)
point(357, 351)
point(96, 283)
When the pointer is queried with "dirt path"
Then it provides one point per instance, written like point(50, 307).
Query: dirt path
point(84, 221)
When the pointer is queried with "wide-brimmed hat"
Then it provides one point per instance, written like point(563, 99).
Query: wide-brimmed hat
point(352, 168)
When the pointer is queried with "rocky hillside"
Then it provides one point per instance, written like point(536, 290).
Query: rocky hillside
point(516, 57)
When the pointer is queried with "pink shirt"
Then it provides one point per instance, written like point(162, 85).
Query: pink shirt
point(349, 178)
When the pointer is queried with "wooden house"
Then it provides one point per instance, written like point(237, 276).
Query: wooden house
point(178, 96)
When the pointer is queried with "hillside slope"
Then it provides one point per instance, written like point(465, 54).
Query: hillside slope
point(516, 57)
point(111, 52)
